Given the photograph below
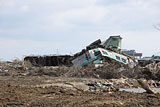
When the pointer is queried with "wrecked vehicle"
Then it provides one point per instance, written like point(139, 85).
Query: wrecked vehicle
point(100, 55)
point(96, 53)
point(104, 52)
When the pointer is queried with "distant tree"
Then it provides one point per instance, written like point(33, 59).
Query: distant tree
point(157, 26)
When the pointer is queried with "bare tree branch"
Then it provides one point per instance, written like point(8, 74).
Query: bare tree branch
point(157, 26)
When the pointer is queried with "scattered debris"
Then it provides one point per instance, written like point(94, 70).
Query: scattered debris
point(146, 87)
point(105, 87)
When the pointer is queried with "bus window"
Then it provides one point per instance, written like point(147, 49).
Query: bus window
point(123, 60)
point(97, 53)
point(104, 52)
point(117, 57)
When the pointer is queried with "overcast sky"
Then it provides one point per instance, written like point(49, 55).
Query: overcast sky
point(66, 26)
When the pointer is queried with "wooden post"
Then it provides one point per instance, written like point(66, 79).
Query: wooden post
point(146, 87)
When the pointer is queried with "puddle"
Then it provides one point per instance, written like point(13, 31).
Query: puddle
point(136, 90)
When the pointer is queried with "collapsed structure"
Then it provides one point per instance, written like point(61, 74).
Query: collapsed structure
point(98, 52)
point(104, 52)
point(50, 60)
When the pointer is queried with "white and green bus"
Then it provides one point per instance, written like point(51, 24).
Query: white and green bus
point(98, 53)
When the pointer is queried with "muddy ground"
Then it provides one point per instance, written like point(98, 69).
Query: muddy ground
point(66, 86)
point(41, 91)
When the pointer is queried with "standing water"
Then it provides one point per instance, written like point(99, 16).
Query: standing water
point(137, 90)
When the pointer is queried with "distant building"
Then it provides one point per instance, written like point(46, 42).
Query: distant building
point(132, 53)
point(147, 58)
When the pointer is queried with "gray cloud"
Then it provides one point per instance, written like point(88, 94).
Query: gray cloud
point(77, 22)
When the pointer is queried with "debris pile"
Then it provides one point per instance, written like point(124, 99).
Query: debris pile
point(50, 60)
point(150, 71)
point(99, 60)
point(8, 68)
point(97, 53)
point(105, 87)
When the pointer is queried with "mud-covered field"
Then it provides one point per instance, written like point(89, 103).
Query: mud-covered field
point(41, 91)
point(66, 86)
